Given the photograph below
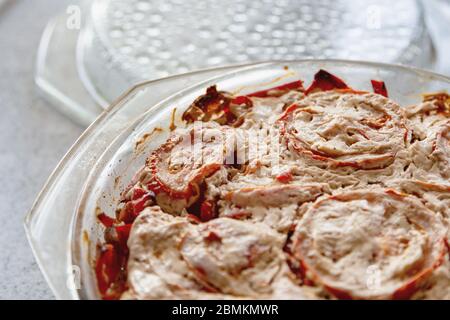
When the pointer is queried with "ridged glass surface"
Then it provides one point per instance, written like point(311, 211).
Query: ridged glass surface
point(129, 41)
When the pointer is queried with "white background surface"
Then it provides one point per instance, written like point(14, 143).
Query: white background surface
point(33, 137)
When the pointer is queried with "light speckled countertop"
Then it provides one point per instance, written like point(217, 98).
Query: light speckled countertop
point(33, 137)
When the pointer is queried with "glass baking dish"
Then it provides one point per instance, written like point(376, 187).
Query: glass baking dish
point(62, 227)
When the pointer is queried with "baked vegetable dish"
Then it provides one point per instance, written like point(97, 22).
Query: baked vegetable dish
point(318, 192)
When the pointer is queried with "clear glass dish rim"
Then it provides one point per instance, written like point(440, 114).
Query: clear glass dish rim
point(34, 212)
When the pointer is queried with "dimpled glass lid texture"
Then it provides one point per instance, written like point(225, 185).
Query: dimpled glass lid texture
point(128, 41)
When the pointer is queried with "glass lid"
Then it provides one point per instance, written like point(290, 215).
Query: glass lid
point(125, 42)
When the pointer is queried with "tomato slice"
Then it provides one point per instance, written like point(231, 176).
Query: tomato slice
point(207, 211)
point(138, 193)
point(242, 100)
point(105, 220)
point(379, 87)
point(324, 81)
point(213, 237)
point(215, 106)
point(107, 267)
point(133, 208)
point(123, 233)
point(284, 177)
point(288, 112)
point(179, 167)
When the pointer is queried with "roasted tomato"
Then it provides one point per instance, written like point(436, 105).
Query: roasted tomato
point(324, 81)
point(217, 106)
point(207, 211)
point(132, 207)
point(226, 109)
point(110, 271)
point(379, 87)
point(106, 220)
point(179, 167)
point(284, 177)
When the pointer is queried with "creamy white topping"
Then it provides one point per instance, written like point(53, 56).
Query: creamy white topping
point(362, 181)
point(345, 237)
